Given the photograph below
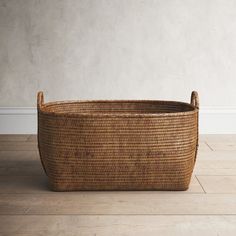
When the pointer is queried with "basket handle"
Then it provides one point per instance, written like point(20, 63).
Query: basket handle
point(195, 99)
point(40, 99)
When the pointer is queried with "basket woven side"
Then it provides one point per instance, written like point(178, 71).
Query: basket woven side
point(118, 153)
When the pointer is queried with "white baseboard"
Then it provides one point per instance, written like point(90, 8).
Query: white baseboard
point(217, 120)
point(23, 120)
point(18, 120)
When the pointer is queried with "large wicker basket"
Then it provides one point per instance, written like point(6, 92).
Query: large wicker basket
point(118, 145)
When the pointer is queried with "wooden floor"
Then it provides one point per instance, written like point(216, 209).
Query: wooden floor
point(27, 207)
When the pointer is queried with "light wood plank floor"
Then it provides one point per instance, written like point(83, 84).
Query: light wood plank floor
point(28, 207)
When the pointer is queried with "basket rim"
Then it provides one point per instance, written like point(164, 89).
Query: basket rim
point(43, 109)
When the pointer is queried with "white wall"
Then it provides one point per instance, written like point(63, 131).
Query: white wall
point(136, 49)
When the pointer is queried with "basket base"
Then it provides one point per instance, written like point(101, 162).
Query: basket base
point(62, 187)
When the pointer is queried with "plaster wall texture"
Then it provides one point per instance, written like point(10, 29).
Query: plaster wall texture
point(117, 49)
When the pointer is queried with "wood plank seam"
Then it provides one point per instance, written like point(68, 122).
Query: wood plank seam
point(209, 146)
point(200, 184)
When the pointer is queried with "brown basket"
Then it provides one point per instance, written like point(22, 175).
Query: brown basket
point(118, 145)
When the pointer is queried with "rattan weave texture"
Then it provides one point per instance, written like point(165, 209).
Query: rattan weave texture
point(118, 145)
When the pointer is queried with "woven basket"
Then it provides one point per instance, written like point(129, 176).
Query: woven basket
point(118, 145)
